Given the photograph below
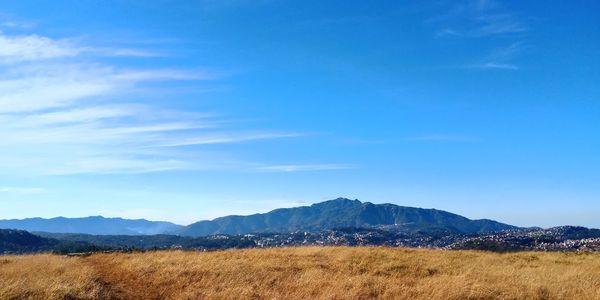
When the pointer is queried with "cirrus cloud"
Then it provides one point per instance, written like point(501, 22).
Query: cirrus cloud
point(63, 111)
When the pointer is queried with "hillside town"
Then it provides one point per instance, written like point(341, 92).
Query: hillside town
point(565, 238)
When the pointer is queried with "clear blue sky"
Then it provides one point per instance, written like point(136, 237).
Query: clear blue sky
point(188, 110)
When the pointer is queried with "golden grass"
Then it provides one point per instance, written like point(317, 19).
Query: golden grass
point(47, 277)
point(304, 273)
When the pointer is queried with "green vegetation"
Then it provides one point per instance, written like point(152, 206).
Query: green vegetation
point(343, 213)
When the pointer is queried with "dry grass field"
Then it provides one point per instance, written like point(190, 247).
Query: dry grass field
point(303, 273)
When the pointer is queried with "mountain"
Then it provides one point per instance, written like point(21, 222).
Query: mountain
point(154, 242)
point(338, 213)
point(19, 241)
point(345, 213)
point(22, 241)
point(91, 225)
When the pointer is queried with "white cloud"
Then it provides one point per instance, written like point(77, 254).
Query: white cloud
point(492, 26)
point(33, 47)
point(122, 52)
point(498, 24)
point(37, 93)
point(478, 19)
point(505, 53)
point(23, 48)
point(161, 74)
point(116, 165)
point(491, 65)
point(226, 138)
point(15, 24)
point(21, 190)
point(500, 58)
point(484, 19)
point(78, 115)
point(304, 168)
point(44, 86)
point(63, 112)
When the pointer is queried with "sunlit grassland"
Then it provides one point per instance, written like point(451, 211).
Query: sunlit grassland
point(304, 272)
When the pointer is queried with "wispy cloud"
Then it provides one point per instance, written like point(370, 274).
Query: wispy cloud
point(116, 165)
point(344, 20)
point(123, 52)
point(487, 26)
point(505, 53)
point(477, 19)
point(363, 141)
point(64, 112)
point(492, 65)
point(21, 190)
point(304, 168)
point(45, 86)
point(500, 58)
point(484, 19)
point(498, 24)
point(34, 47)
point(226, 138)
point(15, 24)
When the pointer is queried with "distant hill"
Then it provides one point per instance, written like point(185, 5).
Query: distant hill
point(158, 241)
point(91, 225)
point(20, 241)
point(340, 213)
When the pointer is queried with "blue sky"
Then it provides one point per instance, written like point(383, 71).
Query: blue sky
point(189, 110)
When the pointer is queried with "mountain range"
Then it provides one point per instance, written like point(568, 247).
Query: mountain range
point(20, 241)
point(91, 225)
point(337, 213)
point(343, 213)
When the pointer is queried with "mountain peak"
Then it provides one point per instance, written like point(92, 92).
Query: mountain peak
point(338, 203)
point(341, 200)
point(344, 199)
point(343, 213)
